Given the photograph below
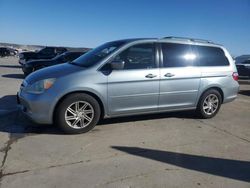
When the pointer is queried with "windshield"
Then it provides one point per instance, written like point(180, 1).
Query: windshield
point(41, 50)
point(60, 56)
point(246, 62)
point(96, 55)
point(47, 50)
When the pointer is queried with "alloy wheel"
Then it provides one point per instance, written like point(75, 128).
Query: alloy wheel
point(79, 114)
point(210, 104)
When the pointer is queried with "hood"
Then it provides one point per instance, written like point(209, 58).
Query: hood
point(55, 71)
point(38, 62)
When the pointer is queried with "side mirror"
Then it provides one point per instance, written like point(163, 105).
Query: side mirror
point(117, 65)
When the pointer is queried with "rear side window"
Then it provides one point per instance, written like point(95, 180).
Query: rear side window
point(211, 56)
point(177, 55)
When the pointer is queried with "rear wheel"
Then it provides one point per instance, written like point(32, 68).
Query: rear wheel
point(209, 104)
point(77, 113)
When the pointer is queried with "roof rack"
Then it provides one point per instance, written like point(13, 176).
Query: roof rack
point(188, 39)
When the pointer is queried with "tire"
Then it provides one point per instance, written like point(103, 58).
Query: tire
point(80, 121)
point(207, 106)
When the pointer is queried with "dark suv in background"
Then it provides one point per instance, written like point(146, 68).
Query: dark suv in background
point(45, 53)
point(34, 65)
point(244, 68)
point(5, 51)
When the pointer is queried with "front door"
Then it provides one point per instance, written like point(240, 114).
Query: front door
point(134, 89)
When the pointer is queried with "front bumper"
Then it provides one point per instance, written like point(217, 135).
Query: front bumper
point(26, 71)
point(35, 108)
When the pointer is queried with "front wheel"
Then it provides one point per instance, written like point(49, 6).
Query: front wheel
point(77, 113)
point(209, 104)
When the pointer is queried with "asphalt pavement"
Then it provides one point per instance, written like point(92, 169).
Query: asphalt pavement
point(160, 150)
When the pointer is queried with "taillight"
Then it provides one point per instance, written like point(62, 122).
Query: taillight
point(235, 76)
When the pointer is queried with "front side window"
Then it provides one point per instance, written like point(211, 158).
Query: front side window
point(211, 56)
point(177, 55)
point(140, 56)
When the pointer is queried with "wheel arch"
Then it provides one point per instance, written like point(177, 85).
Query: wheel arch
point(215, 88)
point(95, 96)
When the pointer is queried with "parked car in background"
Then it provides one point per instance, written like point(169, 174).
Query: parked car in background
point(243, 68)
point(131, 77)
point(33, 65)
point(6, 51)
point(45, 53)
point(241, 58)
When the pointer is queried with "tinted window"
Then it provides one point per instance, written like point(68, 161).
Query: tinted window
point(211, 56)
point(177, 55)
point(246, 62)
point(47, 50)
point(141, 56)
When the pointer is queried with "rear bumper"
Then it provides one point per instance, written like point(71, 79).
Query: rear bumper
point(231, 93)
point(230, 99)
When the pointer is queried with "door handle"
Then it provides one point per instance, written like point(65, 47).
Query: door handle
point(169, 75)
point(150, 76)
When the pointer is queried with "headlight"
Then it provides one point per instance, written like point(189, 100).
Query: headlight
point(40, 86)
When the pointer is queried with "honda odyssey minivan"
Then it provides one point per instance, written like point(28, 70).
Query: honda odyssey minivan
point(131, 77)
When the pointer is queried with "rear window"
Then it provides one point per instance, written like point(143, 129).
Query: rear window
point(211, 56)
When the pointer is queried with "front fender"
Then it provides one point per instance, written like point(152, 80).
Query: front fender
point(79, 90)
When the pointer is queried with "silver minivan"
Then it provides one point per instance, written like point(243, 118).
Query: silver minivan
point(131, 77)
